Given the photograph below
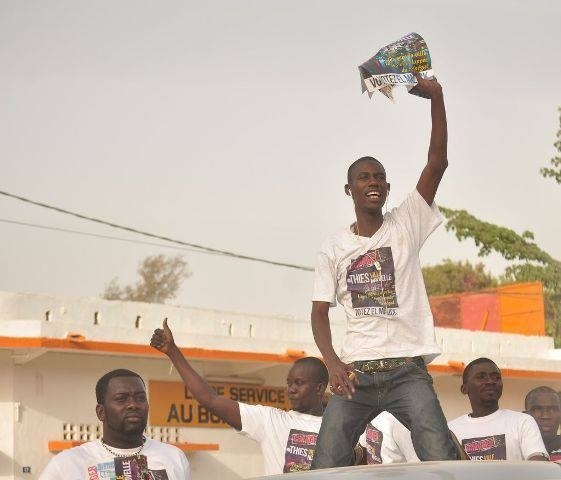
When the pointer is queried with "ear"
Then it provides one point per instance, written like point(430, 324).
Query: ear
point(100, 412)
point(320, 389)
point(389, 187)
point(464, 389)
point(348, 189)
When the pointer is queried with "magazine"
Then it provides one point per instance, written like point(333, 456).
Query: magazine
point(395, 65)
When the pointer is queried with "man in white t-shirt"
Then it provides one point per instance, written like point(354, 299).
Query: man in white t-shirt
point(386, 440)
point(490, 432)
point(372, 269)
point(544, 404)
point(123, 451)
point(287, 439)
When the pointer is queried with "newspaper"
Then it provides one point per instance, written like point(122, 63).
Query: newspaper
point(395, 65)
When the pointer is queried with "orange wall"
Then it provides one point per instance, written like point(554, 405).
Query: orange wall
point(516, 308)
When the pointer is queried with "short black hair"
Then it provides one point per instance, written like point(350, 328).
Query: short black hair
point(472, 364)
point(103, 382)
point(356, 162)
point(537, 391)
point(320, 370)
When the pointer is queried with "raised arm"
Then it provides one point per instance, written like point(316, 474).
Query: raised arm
point(228, 410)
point(438, 156)
point(341, 375)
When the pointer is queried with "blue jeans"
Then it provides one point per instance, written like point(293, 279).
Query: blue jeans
point(407, 393)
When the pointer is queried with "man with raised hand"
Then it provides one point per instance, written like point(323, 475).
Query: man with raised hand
point(287, 439)
point(490, 432)
point(372, 269)
point(123, 451)
point(544, 404)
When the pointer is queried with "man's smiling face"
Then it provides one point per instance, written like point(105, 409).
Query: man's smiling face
point(368, 185)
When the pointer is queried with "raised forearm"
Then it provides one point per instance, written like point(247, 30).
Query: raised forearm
point(227, 409)
point(438, 147)
point(201, 391)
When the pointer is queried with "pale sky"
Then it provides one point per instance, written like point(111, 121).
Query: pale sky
point(231, 124)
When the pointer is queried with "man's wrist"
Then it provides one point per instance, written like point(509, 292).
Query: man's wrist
point(173, 352)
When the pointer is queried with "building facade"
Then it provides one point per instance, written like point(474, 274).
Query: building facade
point(53, 350)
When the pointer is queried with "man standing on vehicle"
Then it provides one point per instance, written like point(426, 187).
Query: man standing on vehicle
point(372, 268)
point(544, 404)
point(287, 439)
point(490, 432)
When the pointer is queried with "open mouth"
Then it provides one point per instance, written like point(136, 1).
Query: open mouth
point(375, 195)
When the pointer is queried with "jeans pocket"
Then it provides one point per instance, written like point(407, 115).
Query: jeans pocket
point(417, 365)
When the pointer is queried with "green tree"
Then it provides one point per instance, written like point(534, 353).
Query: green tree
point(529, 261)
point(453, 277)
point(555, 170)
point(160, 280)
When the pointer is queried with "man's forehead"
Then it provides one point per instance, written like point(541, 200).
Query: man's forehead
point(544, 399)
point(368, 165)
point(125, 384)
point(301, 371)
point(484, 367)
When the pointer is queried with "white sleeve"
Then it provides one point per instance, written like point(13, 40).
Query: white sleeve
point(418, 218)
point(186, 467)
point(391, 451)
point(254, 419)
point(325, 280)
point(402, 437)
point(531, 442)
point(362, 440)
point(52, 470)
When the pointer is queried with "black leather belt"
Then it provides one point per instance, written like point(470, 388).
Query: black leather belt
point(383, 364)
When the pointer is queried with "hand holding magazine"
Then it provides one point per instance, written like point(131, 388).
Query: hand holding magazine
point(396, 64)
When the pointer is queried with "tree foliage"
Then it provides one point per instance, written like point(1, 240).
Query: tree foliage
point(555, 170)
point(160, 280)
point(530, 262)
point(453, 277)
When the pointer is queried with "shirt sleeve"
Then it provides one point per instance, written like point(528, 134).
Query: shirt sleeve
point(325, 280)
point(254, 419)
point(418, 218)
point(362, 440)
point(404, 443)
point(391, 452)
point(185, 466)
point(531, 442)
point(52, 470)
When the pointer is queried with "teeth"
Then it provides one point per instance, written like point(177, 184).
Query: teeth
point(372, 194)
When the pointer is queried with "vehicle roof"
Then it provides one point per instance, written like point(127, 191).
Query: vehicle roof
point(449, 470)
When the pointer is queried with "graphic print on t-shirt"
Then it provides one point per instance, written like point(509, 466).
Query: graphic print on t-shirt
point(555, 455)
point(492, 447)
point(374, 438)
point(300, 449)
point(371, 283)
point(125, 468)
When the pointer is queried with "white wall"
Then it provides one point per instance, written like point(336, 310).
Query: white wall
point(57, 387)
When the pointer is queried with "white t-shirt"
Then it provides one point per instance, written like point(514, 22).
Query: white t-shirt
point(503, 435)
point(287, 439)
point(378, 281)
point(90, 461)
point(386, 440)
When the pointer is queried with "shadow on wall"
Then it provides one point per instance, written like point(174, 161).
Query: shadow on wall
point(205, 466)
point(6, 466)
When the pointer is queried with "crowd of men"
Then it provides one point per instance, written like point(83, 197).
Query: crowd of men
point(383, 406)
point(488, 432)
